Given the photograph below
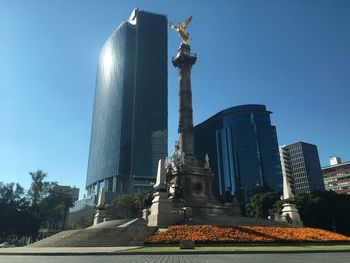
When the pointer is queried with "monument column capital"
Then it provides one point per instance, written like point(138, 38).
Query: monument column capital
point(184, 57)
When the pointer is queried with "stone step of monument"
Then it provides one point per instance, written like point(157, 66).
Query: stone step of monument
point(120, 223)
point(129, 223)
point(135, 222)
point(99, 237)
point(110, 223)
point(58, 236)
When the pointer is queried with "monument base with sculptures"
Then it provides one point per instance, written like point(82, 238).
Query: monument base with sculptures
point(184, 186)
point(184, 192)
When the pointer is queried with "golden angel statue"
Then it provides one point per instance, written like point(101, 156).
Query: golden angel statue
point(180, 28)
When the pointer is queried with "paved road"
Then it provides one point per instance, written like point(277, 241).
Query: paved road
point(237, 258)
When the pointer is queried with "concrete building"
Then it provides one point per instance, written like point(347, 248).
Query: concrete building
point(301, 165)
point(337, 176)
point(243, 150)
point(334, 160)
point(129, 126)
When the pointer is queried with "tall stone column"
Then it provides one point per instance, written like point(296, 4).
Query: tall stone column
point(183, 61)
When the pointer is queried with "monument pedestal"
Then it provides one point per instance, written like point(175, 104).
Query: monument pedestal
point(99, 217)
point(162, 212)
point(145, 213)
point(290, 214)
point(197, 192)
point(100, 214)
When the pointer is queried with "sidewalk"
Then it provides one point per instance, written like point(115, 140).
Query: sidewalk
point(173, 250)
point(55, 251)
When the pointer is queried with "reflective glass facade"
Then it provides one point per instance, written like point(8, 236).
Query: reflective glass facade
point(130, 108)
point(243, 150)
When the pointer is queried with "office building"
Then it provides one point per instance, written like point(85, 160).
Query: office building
point(129, 126)
point(336, 176)
point(301, 165)
point(243, 150)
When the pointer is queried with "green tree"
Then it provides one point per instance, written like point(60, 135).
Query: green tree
point(126, 206)
point(326, 210)
point(67, 202)
point(38, 189)
point(139, 198)
point(315, 210)
point(122, 207)
point(342, 214)
point(16, 221)
point(320, 209)
point(262, 204)
point(54, 207)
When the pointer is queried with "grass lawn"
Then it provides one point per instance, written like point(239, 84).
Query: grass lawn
point(238, 249)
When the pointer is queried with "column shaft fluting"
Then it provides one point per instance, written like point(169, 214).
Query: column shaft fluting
point(183, 61)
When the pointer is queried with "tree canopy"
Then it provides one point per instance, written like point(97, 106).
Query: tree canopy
point(326, 210)
point(126, 206)
point(25, 212)
point(39, 189)
point(262, 204)
point(16, 218)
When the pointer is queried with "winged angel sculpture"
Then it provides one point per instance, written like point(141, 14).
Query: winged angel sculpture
point(180, 28)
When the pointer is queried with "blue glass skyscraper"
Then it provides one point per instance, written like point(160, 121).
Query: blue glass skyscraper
point(243, 150)
point(129, 126)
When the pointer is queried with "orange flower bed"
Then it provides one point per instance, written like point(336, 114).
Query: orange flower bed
point(244, 234)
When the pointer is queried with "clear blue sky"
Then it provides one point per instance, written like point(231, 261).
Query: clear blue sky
point(292, 56)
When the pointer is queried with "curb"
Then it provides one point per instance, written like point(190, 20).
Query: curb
point(58, 254)
point(166, 253)
point(232, 252)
